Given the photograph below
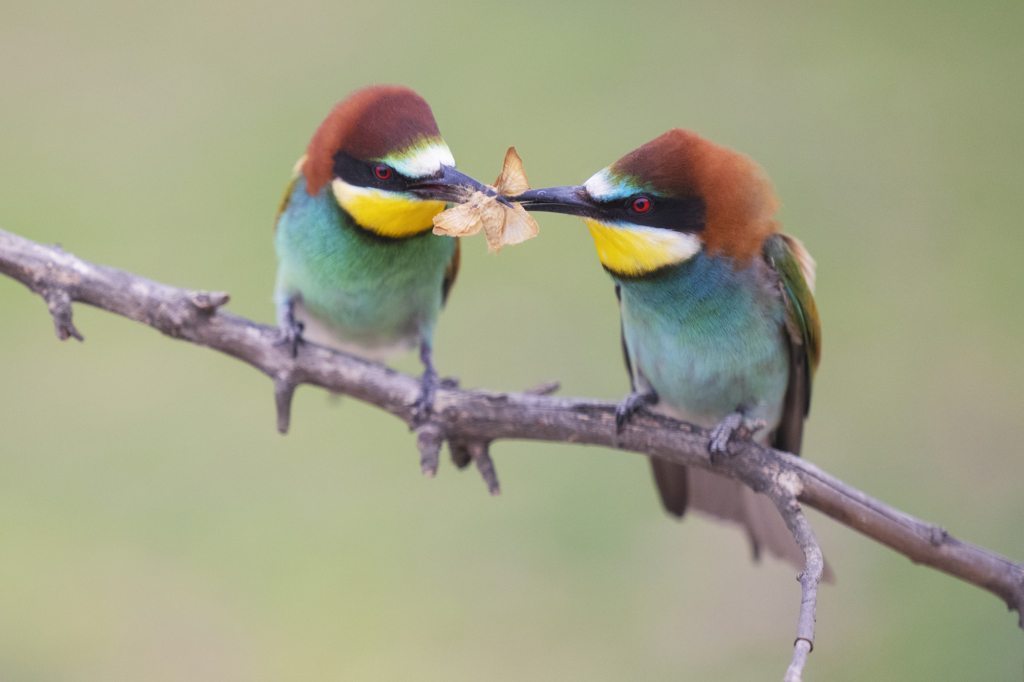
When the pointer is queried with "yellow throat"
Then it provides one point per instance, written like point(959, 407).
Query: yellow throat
point(636, 250)
point(386, 213)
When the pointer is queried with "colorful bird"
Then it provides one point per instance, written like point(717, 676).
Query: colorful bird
point(358, 266)
point(719, 325)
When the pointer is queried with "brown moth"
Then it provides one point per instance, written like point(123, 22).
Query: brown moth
point(503, 225)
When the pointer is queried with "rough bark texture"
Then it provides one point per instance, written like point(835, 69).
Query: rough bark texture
point(471, 419)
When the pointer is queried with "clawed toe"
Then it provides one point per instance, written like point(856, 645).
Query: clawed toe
point(422, 408)
point(291, 337)
point(424, 404)
point(622, 415)
point(734, 424)
point(630, 406)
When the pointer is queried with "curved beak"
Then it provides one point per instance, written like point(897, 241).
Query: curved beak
point(449, 185)
point(572, 199)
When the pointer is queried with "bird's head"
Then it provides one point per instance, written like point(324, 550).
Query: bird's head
point(664, 202)
point(382, 155)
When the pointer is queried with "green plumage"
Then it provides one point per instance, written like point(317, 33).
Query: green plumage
point(803, 328)
point(709, 340)
point(367, 290)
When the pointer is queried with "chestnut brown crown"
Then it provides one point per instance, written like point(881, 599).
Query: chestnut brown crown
point(739, 201)
point(368, 125)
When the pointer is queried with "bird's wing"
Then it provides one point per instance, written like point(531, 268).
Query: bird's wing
point(451, 271)
point(795, 268)
point(288, 191)
point(730, 500)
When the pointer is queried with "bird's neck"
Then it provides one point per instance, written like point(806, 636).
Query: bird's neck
point(702, 290)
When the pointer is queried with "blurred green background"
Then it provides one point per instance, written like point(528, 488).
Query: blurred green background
point(153, 524)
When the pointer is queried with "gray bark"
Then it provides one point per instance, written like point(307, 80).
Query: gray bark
point(471, 419)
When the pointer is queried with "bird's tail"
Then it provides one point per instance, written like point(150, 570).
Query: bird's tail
point(723, 499)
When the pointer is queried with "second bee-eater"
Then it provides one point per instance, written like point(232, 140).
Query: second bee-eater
point(358, 266)
point(719, 325)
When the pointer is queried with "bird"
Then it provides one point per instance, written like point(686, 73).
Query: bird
point(719, 326)
point(358, 266)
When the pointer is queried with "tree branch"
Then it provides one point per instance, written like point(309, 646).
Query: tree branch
point(814, 565)
point(471, 419)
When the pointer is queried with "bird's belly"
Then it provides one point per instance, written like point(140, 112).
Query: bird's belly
point(703, 379)
point(387, 311)
point(372, 316)
point(358, 292)
point(355, 341)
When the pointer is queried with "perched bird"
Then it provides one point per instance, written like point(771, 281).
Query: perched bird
point(358, 266)
point(719, 325)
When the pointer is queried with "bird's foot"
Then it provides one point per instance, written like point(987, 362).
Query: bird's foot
point(429, 382)
point(735, 424)
point(424, 404)
point(630, 406)
point(291, 336)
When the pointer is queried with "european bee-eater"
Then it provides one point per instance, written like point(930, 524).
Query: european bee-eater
point(719, 325)
point(358, 267)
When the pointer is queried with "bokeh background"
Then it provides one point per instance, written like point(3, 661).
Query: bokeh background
point(153, 524)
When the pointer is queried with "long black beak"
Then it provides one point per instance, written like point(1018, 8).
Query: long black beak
point(574, 200)
point(449, 185)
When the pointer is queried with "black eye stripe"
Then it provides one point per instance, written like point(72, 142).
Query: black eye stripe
point(682, 215)
point(365, 173)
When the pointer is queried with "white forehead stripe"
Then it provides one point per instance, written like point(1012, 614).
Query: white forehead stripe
point(423, 161)
point(603, 186)
point(598, 186)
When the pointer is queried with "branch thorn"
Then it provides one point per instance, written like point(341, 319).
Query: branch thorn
point(546, 388)
point(209, 301)
point(59, 303)
point(284, 389)
point(428, 439)
point(459, 450)
point(480, 452)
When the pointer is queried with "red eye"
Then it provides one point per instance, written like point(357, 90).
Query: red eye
point(383, 172)
point(641, 204)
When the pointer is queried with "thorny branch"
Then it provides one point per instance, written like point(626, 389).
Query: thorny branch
point(471, 419)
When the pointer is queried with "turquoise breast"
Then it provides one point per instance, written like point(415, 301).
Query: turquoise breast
point(709, 339)
point(368, 290)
